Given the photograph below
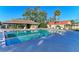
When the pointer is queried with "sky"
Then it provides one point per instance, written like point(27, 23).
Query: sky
point(12, 12)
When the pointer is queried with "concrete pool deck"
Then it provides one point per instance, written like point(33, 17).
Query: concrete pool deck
point(27, 29)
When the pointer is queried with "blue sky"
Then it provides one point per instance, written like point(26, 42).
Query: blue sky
point(67, 12)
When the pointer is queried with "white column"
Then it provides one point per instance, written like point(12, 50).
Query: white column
point(17, 26)
point(6, 26)
point(25, 27)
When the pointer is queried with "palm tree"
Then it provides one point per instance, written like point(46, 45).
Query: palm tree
point(56, 13)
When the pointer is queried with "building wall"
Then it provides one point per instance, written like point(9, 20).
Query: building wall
point(55, 26)
point(75, 27)
point(34, 27)
point(61, 27)
point(70, 23)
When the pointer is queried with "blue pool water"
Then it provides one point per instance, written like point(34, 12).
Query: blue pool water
point(67, 42)
point(15, 37)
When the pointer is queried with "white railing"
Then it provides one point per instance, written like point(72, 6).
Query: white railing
point(2, 43)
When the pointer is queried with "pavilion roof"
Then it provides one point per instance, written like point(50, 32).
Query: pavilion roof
point(20, 22)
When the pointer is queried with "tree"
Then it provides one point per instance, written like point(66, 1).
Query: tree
point(43, 25)
point(43, 16)
point(35, 14)
point(56, 13)
point(51, 19)
point(28, 13)
point(72, 21)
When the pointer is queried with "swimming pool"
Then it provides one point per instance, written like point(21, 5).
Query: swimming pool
point(67, 42)
point(14, 37)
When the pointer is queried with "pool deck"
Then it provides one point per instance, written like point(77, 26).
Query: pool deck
point(14, 29)
point(1, 30)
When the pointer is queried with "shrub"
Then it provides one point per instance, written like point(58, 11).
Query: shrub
point(42, 25)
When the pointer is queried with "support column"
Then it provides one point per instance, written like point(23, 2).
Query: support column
point(17, 26)
point(6, 26)
point(25, 26)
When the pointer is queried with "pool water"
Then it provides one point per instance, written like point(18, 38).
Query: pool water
point(14, 37)
point(66, 42)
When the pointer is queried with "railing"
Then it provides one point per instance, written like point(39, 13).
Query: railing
point(2, 43)
point(2, 40)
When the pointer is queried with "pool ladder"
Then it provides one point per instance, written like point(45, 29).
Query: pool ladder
point(2, 43)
